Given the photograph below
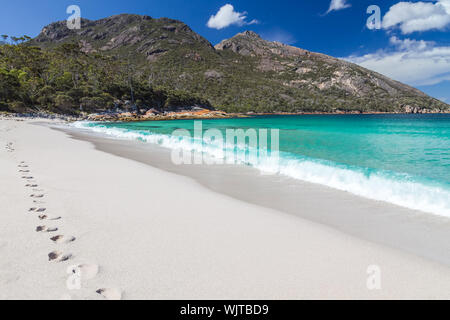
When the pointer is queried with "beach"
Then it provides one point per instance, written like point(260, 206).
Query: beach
point(155, 233)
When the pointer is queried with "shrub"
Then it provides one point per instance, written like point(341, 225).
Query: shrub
point(64, 104)
point(93, 104)
point(4, 107)
point(17, 107)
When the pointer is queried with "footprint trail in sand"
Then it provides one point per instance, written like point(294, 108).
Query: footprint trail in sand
point(84, 270)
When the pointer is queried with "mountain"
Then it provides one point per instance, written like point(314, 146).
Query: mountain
point(124, 34)
point(314, 70)
point(243, 74)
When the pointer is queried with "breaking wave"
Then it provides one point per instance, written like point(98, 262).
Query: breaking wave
point(393, 187)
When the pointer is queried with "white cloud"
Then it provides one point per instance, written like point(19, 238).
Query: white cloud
point(226, 16)
point(336, 5)
point(410, 44)
point(410, 61)
point(418, 16)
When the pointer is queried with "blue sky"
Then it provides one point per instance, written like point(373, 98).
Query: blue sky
point(412, 44)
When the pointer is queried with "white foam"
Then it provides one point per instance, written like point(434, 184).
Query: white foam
point(399, 189)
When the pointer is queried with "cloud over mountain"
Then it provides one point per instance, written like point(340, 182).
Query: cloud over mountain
point(227, 16)
point(416, 62)
point(411, 17)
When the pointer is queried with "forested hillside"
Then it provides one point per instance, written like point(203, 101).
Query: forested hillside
point(67, 80)
point(137, 62)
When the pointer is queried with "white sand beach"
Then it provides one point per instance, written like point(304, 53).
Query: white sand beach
point(158, 235)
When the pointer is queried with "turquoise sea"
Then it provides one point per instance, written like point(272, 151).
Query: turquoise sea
point(401, 159)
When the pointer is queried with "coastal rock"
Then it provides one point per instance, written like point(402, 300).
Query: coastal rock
point(421, 110)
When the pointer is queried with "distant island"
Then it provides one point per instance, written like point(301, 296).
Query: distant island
point(136, 67)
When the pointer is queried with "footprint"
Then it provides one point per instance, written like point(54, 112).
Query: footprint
point(44, 216)
point(86, 271)
point(24, 171)
point(34, 209)
point(27, 177)
point(37, 196)
point(45, 229)
point(110, 293)
point(62, 239)
point(58, 256)
point(31, 185)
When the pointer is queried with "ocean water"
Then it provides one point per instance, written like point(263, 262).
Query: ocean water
point(401, 159)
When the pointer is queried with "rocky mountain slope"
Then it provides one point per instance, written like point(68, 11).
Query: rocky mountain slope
point(243, 74)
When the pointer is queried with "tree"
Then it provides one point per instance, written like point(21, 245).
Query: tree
point(130, 82)
point(9, 86)
point(64, 103)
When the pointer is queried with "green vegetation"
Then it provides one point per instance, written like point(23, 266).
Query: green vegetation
point(66, 80)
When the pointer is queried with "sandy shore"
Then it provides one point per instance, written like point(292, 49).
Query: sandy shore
point(158, 235)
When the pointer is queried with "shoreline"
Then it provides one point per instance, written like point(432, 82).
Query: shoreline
point(382, 222)
point(188, 115)
point(204, 245)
